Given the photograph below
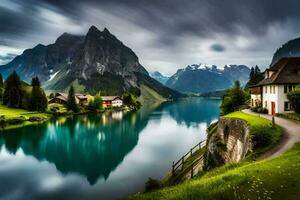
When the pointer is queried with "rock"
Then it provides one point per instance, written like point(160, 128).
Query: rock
point(17, 120)
point(230, 143)
point(36, 119)
point(54, 108)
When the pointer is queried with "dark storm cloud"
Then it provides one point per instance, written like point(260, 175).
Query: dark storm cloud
point(217, 48)
point(24, 22)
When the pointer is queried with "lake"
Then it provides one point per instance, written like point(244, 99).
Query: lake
point(105, 156)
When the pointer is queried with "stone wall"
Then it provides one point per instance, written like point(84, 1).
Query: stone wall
point(229, 143)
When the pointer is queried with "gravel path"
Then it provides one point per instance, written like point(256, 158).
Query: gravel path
point(291, 135)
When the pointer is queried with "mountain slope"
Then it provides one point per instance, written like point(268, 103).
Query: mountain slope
point(201, 79)
point(159, 77)
point(289, 49)
point(95, 62)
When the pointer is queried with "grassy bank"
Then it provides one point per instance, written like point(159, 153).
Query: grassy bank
point(270, 179)
point(263, 134)
point(15, 113)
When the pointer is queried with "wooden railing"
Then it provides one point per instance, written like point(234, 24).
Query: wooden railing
point(178, 166)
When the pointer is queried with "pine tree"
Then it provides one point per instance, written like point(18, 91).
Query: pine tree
point(71, 102)
point(13, 93)
point(38, 99)
point(252, 73)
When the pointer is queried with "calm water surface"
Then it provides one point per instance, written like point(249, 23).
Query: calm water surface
point(100, 156)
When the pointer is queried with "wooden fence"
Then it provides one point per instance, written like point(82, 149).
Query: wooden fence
point(178, 166)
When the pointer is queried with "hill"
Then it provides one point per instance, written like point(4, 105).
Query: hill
point(289, 49)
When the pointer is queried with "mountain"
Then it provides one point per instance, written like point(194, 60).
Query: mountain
point(289, 49)
point(159, 77)
point(201, 78)
point(95, 62)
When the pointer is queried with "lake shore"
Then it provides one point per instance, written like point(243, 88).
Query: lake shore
point(12, 118)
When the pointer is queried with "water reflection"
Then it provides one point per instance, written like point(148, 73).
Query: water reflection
point(92, 145)
point(100, 156)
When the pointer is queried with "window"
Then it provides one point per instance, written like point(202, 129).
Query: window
point(274, 89)
point(285, 89)
point(266, 104)
point(287, 106)
point(290, 88)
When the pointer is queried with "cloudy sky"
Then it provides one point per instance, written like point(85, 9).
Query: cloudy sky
point(165, 34)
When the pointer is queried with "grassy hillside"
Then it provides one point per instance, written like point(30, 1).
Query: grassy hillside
point(270, 179)
point(148, 95)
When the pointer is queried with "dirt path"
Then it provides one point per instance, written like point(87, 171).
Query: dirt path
point(291, 135)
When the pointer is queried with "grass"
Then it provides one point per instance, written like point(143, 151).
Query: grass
point(10, 113)
point(62, 108)
point(269, 179)
point(149, 95)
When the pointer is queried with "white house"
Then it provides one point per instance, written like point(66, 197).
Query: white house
point(280, 78)
point(112, 101)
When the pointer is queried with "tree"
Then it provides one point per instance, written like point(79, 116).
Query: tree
point(13, 92)
point(38, 99)
point(131, 100)
point(294, 98)
point(35, 82)
point(252, 73)
point(233, 99)
point(255, 76)
point(71, 102)
point(1, 87)
point(96, 104)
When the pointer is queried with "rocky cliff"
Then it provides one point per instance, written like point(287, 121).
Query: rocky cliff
point(230, 142)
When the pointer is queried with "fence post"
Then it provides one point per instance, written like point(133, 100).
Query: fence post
point(192, 171)
point(182, 161)
point(173, 169)
point(191, 152)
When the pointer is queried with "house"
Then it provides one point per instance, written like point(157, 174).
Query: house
point(112, 101)
point(83, 99)
point(62, 98)
point(271, 92)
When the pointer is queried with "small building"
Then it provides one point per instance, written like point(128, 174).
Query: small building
point(62, 98)
point(112, 101)
point(59, 98)
point(280, 78)
point(83, 99)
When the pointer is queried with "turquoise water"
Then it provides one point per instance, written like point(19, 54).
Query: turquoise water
point(100, 156)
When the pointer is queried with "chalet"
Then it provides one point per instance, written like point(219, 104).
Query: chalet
point(62, 98)
point(271, 92)
point(112, 101)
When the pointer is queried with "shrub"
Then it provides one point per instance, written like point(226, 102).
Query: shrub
point(152, 184)
point(294, 98)
point(96, 104)
point(261, 137)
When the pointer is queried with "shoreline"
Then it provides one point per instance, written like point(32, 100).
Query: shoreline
point(21, 121)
